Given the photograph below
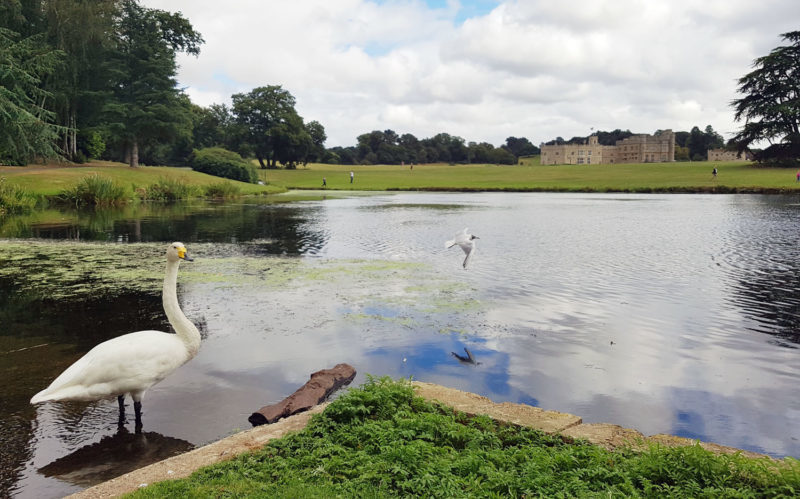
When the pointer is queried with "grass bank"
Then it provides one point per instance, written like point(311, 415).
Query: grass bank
point(51, 180)
point(531, 176)
point(382, 440)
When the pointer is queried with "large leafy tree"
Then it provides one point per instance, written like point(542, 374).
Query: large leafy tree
point(318, 137)
point(27, 131)
point(146, 105)
point(270, 125)
point(81, 30)
point(770, 107)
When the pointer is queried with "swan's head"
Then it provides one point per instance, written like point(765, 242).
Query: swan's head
point(177, 251)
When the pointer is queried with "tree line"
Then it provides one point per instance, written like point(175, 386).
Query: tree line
point(83, 79)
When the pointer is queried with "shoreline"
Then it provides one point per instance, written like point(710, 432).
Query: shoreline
point(570, 427)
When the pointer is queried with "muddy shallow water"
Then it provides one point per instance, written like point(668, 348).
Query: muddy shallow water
point(664, 313)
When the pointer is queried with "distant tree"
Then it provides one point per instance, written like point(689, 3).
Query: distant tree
point(501, 156)
point(211, 126)
point(681, 138)
point(480, 152)
point(258, 112)
point(699, 142)
point(611, 138)
point(520, 146)
point(412, 149)
point(770, 107)
point(681, 153)
point(291, 143)
point(316, 131)
point(146, 104)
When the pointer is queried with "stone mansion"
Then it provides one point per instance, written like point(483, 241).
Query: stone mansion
point(642, 148)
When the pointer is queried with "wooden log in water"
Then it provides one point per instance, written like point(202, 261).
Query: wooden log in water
point(316, 390)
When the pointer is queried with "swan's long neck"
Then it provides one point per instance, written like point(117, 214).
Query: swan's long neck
point(183, 326)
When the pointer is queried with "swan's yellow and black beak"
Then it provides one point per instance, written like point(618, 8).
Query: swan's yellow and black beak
point(184, 255)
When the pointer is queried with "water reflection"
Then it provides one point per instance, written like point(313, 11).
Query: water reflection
point(667, 314)
point(114, 455)
point(274, 228)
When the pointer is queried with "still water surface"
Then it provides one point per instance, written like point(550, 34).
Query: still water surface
point(673, 314)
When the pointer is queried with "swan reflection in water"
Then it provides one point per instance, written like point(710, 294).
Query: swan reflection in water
point(114, 455)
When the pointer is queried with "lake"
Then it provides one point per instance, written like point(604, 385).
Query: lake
point(675, 314)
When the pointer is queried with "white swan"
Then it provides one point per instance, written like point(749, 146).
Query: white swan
point(132, 363)
point(467, 243)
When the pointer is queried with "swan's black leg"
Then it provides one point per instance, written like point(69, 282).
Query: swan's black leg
point(121, 401)
point(137, 408)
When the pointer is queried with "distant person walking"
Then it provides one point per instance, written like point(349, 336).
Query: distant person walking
point(324, 182)
point(351, 177)
point(714, 172)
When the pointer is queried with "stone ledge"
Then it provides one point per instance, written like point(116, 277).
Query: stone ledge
point(183, 465)
point(518, 414)
point(608, 436)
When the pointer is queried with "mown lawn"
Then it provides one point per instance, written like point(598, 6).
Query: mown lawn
point(383, 441)
point(51, 180)
point(530, 176)
point(649, 177)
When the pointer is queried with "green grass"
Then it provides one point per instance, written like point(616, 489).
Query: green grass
point(15, 200)
point(167, 189)
point(49, 181)
point(383, 441)
point(93, 190)
point(531, 176)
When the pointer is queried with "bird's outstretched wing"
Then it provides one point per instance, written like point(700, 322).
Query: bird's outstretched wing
point(469, 250)
point(459, 238)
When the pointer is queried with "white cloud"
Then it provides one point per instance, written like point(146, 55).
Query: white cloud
point(536, 68)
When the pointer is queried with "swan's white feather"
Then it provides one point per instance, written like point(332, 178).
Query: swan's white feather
point(131, 363)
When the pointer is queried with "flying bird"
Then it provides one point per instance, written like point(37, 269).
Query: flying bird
point(131, 363)
point(467, 243)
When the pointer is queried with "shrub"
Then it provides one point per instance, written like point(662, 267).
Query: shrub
point(167, 189)
point(14, 200)
point(95, 145)
point(223, 190)
point(94, 190)
point(223, 163)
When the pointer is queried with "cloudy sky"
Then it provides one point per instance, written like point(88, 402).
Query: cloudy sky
point(485, 70)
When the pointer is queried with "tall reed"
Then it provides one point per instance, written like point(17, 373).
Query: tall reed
point(15, 200)
point(223, 190)
point(94, 190)
point(167, 189)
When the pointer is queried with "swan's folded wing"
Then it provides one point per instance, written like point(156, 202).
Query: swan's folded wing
point(117, 366)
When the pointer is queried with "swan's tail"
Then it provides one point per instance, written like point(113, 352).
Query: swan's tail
point(450, 243)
